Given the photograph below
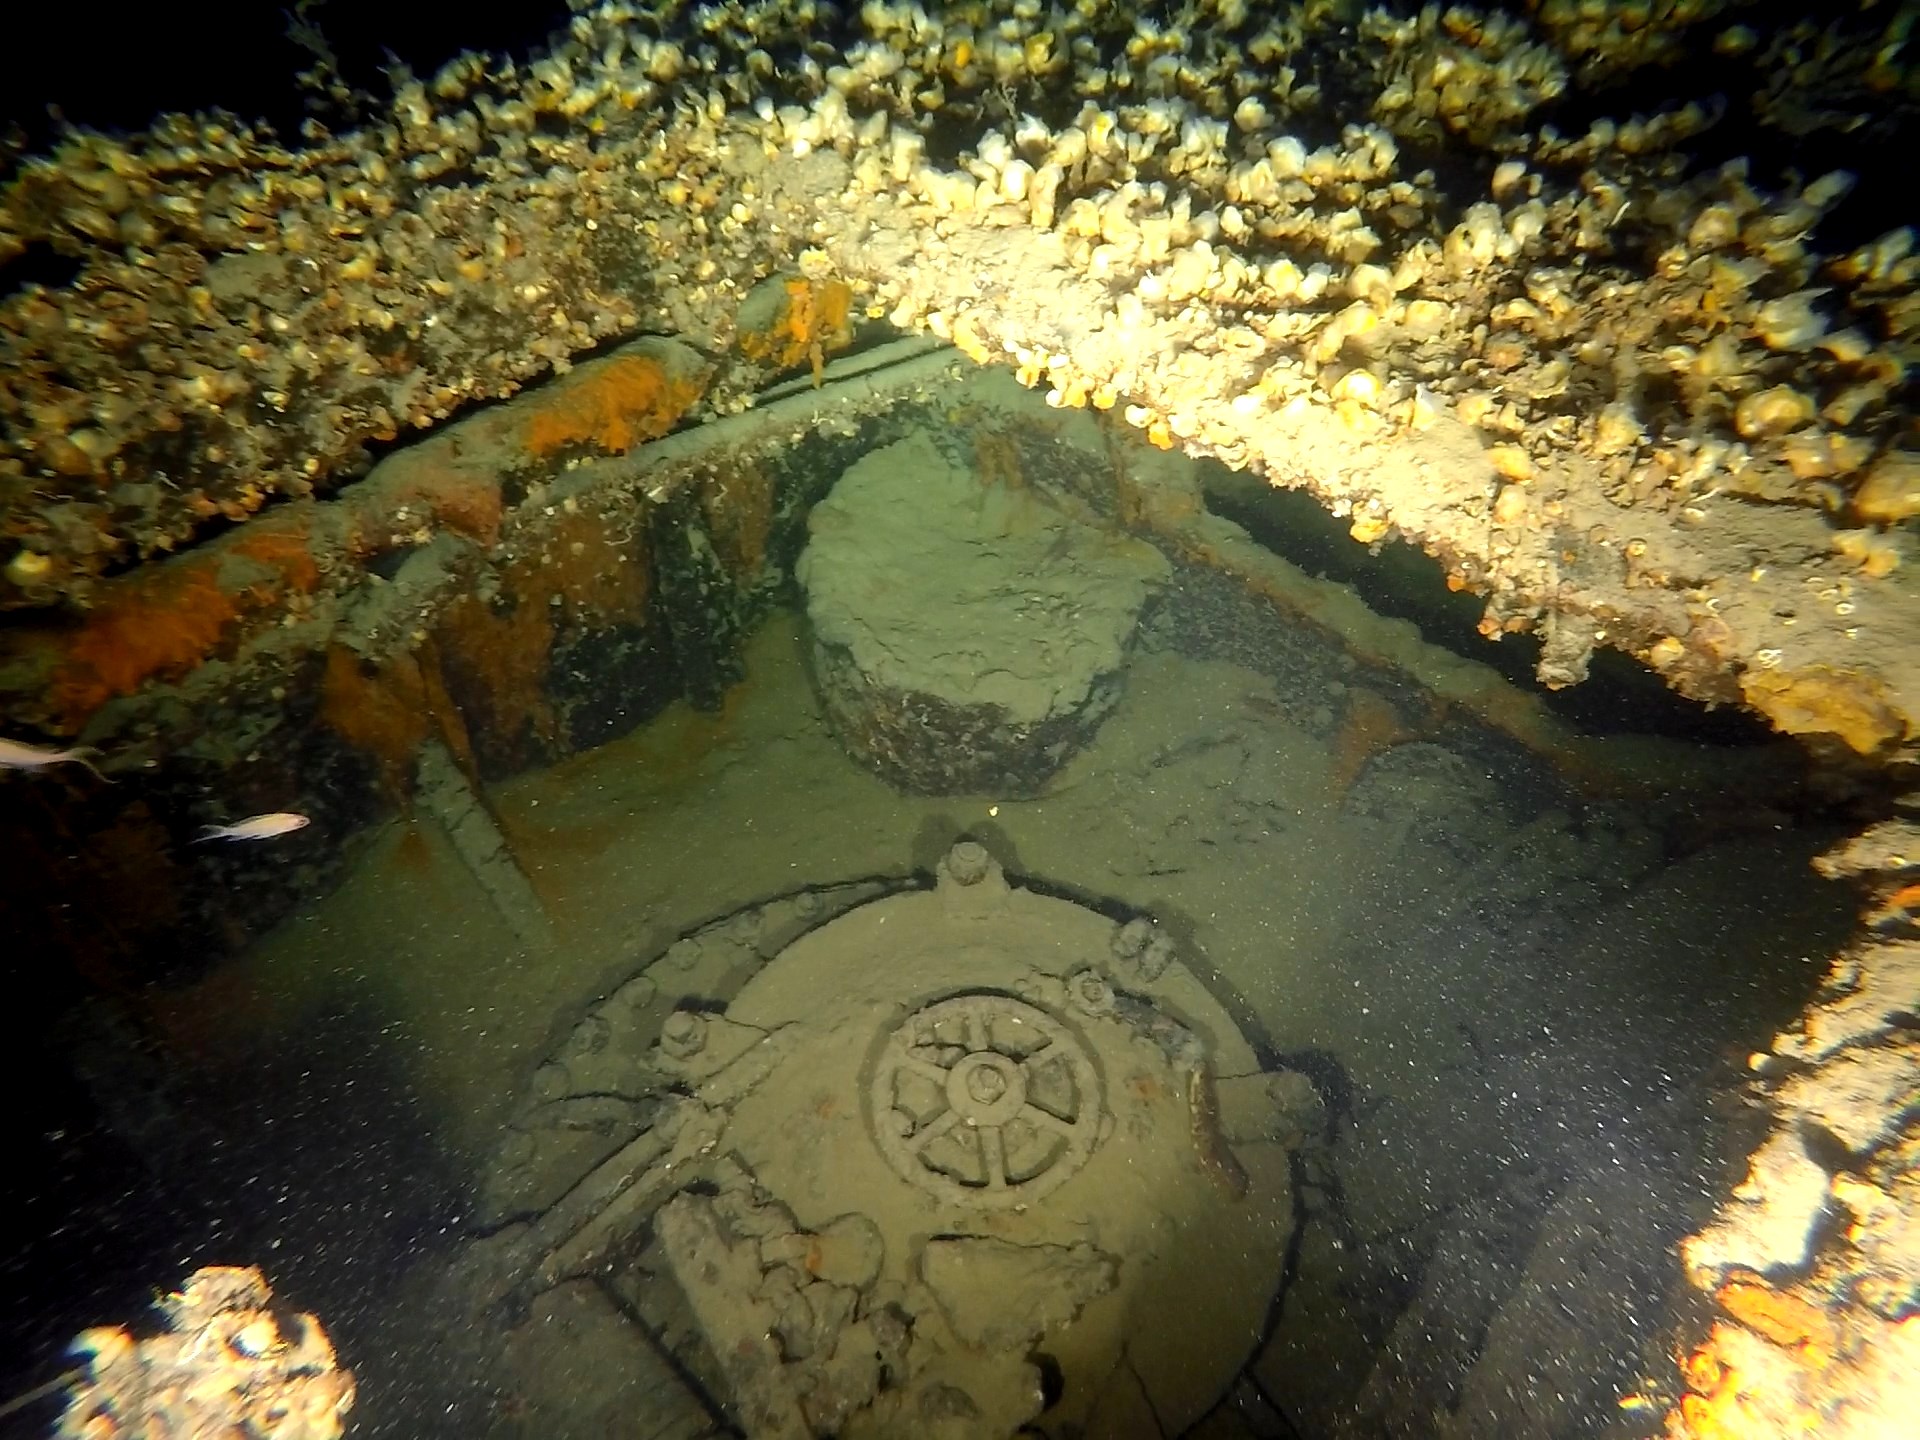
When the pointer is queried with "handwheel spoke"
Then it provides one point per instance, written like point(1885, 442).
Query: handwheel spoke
point(923, 1138)
point(927, 1070)
point(1046, 1120)
point(993, 1142)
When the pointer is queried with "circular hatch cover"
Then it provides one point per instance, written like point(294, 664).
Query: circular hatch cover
point(964, 1162)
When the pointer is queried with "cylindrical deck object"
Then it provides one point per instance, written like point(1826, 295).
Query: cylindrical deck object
point(969, 636)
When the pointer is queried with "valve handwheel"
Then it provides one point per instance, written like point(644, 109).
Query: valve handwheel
point(985, 1100)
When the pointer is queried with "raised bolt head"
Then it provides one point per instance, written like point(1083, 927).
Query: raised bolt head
point(1091, 993)
point(1155, 958)
point(684, 1034)
point(1131, 938)
point(968, 862)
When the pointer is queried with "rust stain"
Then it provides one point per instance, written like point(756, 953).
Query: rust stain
point(996, 459)
point(596, 574)
point(1370, 726)
point(738, 506)
point(428, 481)
point(390, 709)
point(497, 660)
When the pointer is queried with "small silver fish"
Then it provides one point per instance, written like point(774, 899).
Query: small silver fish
point(256, 827)
point(18, 755)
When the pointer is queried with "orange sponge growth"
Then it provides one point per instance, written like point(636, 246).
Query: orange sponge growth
point(1743, 1387)
point(614, 404)
point(799, 321)
point(160, 622)
point(1783, 1318)
point(1852, 705)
